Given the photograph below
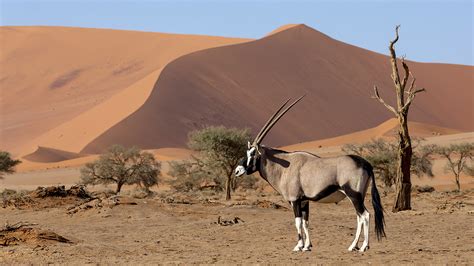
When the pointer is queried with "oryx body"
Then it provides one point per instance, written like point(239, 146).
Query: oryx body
point(301, 177)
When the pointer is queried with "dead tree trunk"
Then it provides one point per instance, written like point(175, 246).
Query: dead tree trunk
point(458, 184)
point(119, 187)
point(403, 181)
point(228, 185)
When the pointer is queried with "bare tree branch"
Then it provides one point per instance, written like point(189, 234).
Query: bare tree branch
point(395, 75)
point(411, 96)
point(377, 96)
point(407, 74)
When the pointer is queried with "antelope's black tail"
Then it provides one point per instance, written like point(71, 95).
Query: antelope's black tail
point(378, 209)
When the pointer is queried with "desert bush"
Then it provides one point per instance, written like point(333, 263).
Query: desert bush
point(424, 189)
point(10, 197)
point(220, 150)
point(191, 176)
point(247, 182)
point(459, 159)
point(78, 191)
point(124, 167)
point(383, 156)
point(7, 164)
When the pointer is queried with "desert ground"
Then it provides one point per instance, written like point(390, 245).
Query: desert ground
point(175, 227)
point(437, 231)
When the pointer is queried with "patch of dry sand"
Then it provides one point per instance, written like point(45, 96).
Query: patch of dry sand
point(437, 231)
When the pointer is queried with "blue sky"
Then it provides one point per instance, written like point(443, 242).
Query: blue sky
point(431, 30)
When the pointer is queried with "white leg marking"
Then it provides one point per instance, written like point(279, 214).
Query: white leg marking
point(307, 240)
point(365, 219)
point(357, 235)
point(299, 245)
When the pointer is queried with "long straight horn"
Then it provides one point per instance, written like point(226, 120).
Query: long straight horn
point(269, 121)
point(280, 115)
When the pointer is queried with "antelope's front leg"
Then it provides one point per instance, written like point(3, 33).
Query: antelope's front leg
point(298, 223)
point(305, 212)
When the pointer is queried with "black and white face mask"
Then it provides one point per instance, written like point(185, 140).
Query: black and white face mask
point(247, 165)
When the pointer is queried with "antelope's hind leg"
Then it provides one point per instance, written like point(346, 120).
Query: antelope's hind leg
point(353, 246)
point(298, 223)
point(362, 219)
point(365, 217)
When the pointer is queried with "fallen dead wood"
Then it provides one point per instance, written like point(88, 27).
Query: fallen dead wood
point(44, 197)
point(12, 227)
point(228, 221)
point(99, 203)
point(22, 232)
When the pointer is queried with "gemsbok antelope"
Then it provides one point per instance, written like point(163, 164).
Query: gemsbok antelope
point(301, 177)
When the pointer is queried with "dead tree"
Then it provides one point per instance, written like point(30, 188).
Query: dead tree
point(405, 95)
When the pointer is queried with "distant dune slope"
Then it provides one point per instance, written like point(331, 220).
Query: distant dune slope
point(241, 85)
point(48, 155)
point(49, 75)
point(386, 130)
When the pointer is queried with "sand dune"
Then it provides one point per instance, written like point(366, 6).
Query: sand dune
point(282, 28)
point(48, 155)
point(76, 90)
point(48, 158)
point(171, 154)
point(49, 75)
point(75, 134)
point(241, 85)
point(387, 130)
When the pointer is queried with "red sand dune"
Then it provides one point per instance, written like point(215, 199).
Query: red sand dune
point(241, 85)
point(50, 75)
point(48, 158)
point(48, 155)
point(387, 130)
point(53, 158)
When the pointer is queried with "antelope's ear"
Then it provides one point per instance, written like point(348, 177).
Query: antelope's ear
point(248, 144)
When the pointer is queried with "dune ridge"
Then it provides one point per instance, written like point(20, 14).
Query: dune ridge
point(241, 85)
point(73, 135)
point(45, 157)
point(387, 130)
point(49, 155)
point(50, 75)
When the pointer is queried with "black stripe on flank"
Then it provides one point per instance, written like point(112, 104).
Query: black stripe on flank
point(355, 197)
point(324, 193)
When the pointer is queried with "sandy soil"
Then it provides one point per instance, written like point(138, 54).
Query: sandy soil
point(438, 230)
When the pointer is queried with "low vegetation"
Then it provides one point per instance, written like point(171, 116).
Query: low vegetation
point(459, 159)
point(123, 166)
point(7, 164)
point(383, 155)
point(220, 150)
